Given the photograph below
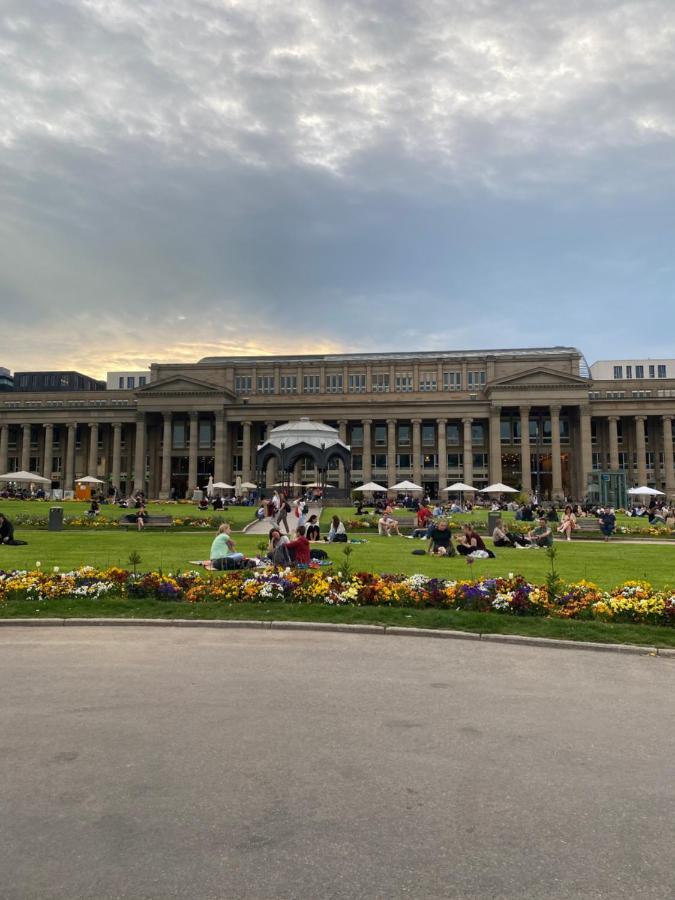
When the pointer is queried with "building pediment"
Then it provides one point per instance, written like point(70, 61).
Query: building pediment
point(538, 378)
point(182, 386)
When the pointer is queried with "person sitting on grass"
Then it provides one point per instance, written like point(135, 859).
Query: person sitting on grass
point(336, 533)
point(299, 548)
point(440, 540)
point(7, 532)
point(94, 508)
point(541, 536)
point(387, 525)
point(313, 532)
point(423, 516)
point(607, 521)
point(470, 542)
point(278, 551)
point(223, 550)
point(503, 538)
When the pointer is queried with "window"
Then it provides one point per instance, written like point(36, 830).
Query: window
point(594, 431)
point(205, 433)
point(623, 459)
point(649, 456)
point(243, 384)
point(357, 461)
point(289, 384)
point(265, 384)
point(629, 371)
point(618, 371)
point(334, 384)
point(381, 382)
point(429, 461)
point(427, 381)
point(616, 395)
point(404, 435)
point(404, 382)
point(311, 384)
point(428, 435)
point(661, 371)
point(639, 371)
point(480, 460)
point(142, 380)
point(596, 461)
point(453, 435)
point(131, 381)
point(357, 383)
point(357, 436)
point(179, 435)
point(237, 461)
point(594, 395)
point(120, 382)
point(477, 434)
point(639, 395)
point(475, 380)
point(404, 461)
point(455, 461)
point(380, 435)
point(34, 464)
point(452, 381)
point(505, 430)
point(56, 463)
point(379, 460)
point(652, 371)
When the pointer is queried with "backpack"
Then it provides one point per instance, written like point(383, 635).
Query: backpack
point(317, 553)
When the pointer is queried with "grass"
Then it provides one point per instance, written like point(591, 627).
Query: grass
point(484, 623)
point(605, 564)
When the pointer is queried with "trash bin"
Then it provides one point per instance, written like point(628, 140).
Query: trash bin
point(492, 522)
point(55, 519)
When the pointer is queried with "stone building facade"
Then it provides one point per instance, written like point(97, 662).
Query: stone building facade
point(532, 418)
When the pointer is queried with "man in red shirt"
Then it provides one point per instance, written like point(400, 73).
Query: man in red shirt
point(423, 516)
point(299, 548)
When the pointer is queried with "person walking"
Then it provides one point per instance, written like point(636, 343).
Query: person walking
point(282, 515)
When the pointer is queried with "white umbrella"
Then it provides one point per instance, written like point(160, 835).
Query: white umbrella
point(25, 478)
point(498, 488)
point(222, 486)
point(248, 485)
point(287, 484)
point(316, 484)
point(370, 487)
point(89, 479)
point(406, 486)
point(645, 491)
point(458, 486)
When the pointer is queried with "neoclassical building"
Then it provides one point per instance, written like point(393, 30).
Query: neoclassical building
point(532, 418)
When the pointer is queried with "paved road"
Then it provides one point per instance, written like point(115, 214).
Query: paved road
point(196, 763)
point(264, 526)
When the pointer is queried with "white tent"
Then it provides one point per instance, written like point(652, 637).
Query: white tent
point(89, 479)
point(24, 478)
point(457, 487)
point(645, 491)
point(499, 488)
point(370, 487)
point(406, 486)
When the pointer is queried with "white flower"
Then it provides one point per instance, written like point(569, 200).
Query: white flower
point(38, 564)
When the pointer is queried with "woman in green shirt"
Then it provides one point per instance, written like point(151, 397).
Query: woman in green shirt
point(223, 548)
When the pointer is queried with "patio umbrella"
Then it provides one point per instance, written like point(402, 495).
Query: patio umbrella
point(222, 486)
point(498, 488)
point(287, 484)
point(25, 478)
point(248, 485)
point(406, 486)
point(89, 479)
point(458, 486)
point(370, 487)
point(645, 491)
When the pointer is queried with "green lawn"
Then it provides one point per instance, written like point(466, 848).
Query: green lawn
point(605, 564)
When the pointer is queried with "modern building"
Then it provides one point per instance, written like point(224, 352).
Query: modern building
point(633, 369)
point(55, 381)
point(533, 418)
point(6, 380)
point(127, 381)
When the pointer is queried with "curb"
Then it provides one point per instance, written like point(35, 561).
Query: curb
point(348, 628)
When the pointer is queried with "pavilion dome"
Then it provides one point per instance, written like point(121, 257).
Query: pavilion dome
point(304, 431)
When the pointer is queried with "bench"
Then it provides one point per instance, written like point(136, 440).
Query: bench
point(588, 524)
point(150, 522)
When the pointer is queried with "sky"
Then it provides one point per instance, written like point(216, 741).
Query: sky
point(189, 178)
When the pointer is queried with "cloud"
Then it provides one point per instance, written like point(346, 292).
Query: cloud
point(191, 173)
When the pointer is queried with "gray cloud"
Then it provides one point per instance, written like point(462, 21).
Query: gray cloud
point(184, 175)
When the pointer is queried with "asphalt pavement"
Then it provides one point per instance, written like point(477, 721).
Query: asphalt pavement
point(202, 763)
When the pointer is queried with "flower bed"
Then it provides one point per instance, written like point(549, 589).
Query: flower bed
point(633, 601)
point(102, 522)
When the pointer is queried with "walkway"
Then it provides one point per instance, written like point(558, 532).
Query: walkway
point(264, 526)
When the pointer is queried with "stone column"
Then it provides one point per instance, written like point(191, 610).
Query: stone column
point(417, 450)
point(467, 468)
point(25, 448)
point(93, 449)
point(342, 430)
point(117, 455)
point(47, 452)
point(69, 479)
point(167, 441)
point(495, 445)
point(669, 474)
point(246, 453)
point(641, 449)
point(139, 453)
point(556, 465)
point(442, 438)
point(4, 448)
point(192, 453)
point(367, 468)
point(272, 474)
point(391, 452)
point(586, 448)
point(220, 448)
point(612, 424)
point(525, 451)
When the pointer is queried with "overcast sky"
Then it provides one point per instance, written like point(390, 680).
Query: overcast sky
point(181, 178)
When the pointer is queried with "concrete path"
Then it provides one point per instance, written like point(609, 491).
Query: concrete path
point(163, 763)
point(264, 526)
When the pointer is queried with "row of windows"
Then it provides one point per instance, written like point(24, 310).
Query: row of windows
point(357, 382)
point(654, 371)
point(131, 381)
point(404, 461)
point(628, 460)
